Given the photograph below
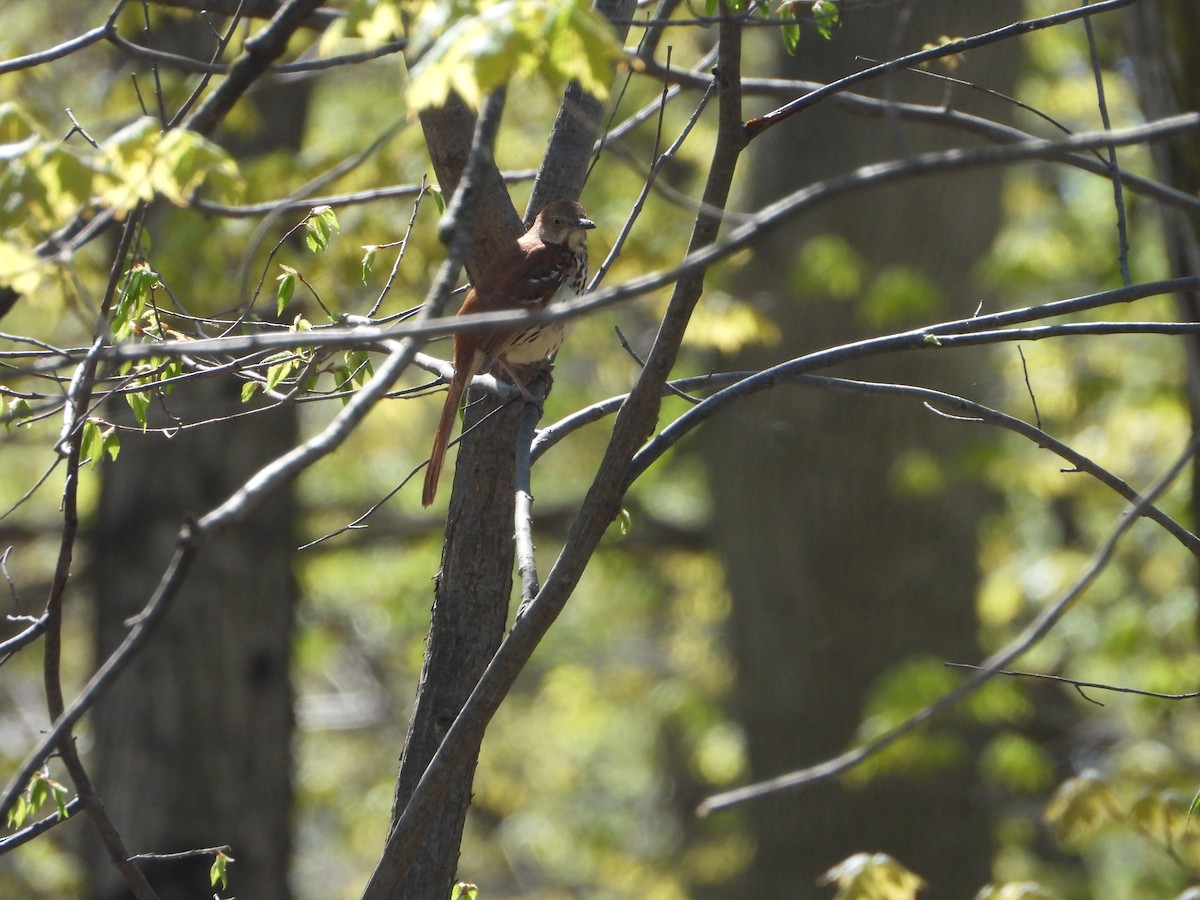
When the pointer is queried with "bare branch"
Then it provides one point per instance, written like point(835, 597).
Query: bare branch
point(756, 126)
point(1031, 634)
point(1093, 685)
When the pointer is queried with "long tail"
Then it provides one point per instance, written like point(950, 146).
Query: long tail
point(441, 438)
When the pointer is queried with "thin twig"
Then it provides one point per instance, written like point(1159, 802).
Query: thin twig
point(1114, 167)
point(1092, 685)
point(1037, 416)
point(756, 126)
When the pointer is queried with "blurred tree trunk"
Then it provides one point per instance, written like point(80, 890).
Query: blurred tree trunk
point(1166, 55)
point(193, 745)
point(835, 579)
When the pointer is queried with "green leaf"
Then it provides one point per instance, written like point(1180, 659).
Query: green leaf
point(217, 872)
point(320, 225)
point(825, 17)
point(18, 813)
point(136, 290)
point(872, 876)
point(18, 408)
point(317, 234)
point(287, 287)
point(172, 369)
point(358, 367)
point(141, 161)
point(185, 160)
point(91, 445)
point(328, 217)
point(439, 198)
point(110, 444)
point(248, 390)
point(368, 260)
point(791, 36)
point(38, 791)
point(464, 891)
point(485, 45)
point(60, 802)
point(278, 372)
point(139, 402)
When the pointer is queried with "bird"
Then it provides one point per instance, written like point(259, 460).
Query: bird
point(547, 263)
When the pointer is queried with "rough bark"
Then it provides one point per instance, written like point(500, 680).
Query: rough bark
point(475, 582)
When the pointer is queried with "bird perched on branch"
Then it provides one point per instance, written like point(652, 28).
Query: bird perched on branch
point(546, 263)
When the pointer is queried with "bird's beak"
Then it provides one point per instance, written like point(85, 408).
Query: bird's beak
point(586, 224)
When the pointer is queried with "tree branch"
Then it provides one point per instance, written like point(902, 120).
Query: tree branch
point(1032, 633)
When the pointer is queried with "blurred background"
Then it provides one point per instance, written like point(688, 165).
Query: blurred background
point(789, 581)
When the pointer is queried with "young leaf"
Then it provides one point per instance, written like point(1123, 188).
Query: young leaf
point(91, 446)
point(217, 872)
point(38, 790)
point(278, 372)
point(140, 281)
point(791, 36)
point(825, 17)
point(248, 390)
point(110, 444)
point(287, 287)
point(18, 813)
point(487, 43)
point(322, 222)
point(328, 217)
point(368, 260)
point(139, 402)
point(18, 408)
point(60, 802)
point(872, 875)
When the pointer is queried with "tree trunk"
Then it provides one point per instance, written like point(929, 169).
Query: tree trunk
point(1166, 53)
point(193, 744)
point(835, 579)
point(474, 584)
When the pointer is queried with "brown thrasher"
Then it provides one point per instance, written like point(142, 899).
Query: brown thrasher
point(546, 263)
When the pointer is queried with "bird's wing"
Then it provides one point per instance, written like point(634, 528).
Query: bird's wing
point(525, 280)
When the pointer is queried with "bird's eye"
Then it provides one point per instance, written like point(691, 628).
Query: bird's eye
point(557, 220)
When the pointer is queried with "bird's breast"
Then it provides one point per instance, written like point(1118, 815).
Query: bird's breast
point(541, 341)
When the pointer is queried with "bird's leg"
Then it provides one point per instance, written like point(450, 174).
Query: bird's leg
point(518, 382)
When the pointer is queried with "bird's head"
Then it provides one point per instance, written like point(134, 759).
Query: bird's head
point(563, 222)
